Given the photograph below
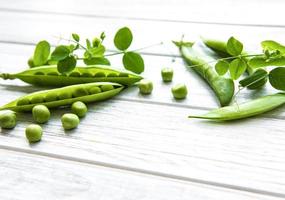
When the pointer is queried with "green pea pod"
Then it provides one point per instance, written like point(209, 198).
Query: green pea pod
point(88, 92)
point(220, 47)
point(223, 87)
point(244, 110)
point(49, 76)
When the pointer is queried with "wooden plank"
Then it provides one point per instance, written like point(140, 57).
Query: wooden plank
point(35, 177)
point(197, 11)
point(127, 135)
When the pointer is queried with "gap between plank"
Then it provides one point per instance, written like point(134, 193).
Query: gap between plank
point(141, 171)
point(137, 18)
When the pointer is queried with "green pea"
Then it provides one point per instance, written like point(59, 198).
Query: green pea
point(105, 88)
point(69, 121)
point(8, 119)
point(31, 62)
point(79, 92)
point(100, 75)
point(75, 74)
point(112, 75)
point(123, 74)
point(52, 74)
point(94, 90)
point(41, 114)
point(37, 99)
point(23, 101)
point(39, 73)
point(34, 133)
point(79, 108)
point(87, 74)
point(167, 74)
point(145, 86)
point(50, 97)
point(64, 95)
point(179, 91)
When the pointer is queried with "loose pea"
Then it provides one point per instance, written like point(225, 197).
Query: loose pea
point(112, 75)
point(94, 90)
point(145, 86)
point(167, 74)
point(179, 91)
point(37, 99)
point(69, 121)
point(41, 114)
point(51, 97)
point(79, 108)
point(75, 74)
point(79, 92)
point(105, 88)
point(34, 133)
point(100, 74)
point(8, 119)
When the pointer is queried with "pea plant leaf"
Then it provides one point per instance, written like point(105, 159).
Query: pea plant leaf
point(41, 53)
point(123, 38)
point(88, 44)
point(273, 46)
point(237, 68)
point(75, 37)
point(277, 78)
point(257, 76)
point(66, 65)
point(97, 52)
point(222, 67)
point(96, 61)
point(61, 52)
point(260, 61)
point(134, 62)
point(234, 47)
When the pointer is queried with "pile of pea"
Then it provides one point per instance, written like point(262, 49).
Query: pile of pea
point(179, 91)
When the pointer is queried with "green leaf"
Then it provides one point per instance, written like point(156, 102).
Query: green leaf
point(260, 61)
point(97, 61)
point(222, 67)
point(97, 51)
point(273, 46)
point(254, 78)
point(41, 53)
point(134, 62)
point(96, 42)
point(75, 37)
point(88, 44)
point(66, 65)
point(123, 38)
point(102, 36)
point(234, 47)
point(60, 53)
point(181, 43)
point(237, 68)
point(277, 78)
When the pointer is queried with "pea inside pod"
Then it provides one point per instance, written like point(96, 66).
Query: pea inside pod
point(89, 92)
point(49, 76)
point(244, 110)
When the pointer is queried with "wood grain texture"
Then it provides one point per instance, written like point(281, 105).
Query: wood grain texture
point(40, 177)
point(254, 12)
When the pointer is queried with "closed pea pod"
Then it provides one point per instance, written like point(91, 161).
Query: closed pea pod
point(71, 93)
point(49, 76)
point(244, 110)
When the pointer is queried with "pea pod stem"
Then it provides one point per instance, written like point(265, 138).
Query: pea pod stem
point(246, 109)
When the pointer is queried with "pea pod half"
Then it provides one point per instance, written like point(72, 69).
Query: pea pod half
point(88, 92)
point(244, 110)
point(220, 47)
point(223, 87)
point(49, 76)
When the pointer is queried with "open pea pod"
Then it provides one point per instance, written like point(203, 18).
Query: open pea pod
point(88, 92)
point(49, 76)
point(223, 87)
point(246, 109)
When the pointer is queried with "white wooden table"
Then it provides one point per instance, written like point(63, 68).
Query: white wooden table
point(142, 147)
